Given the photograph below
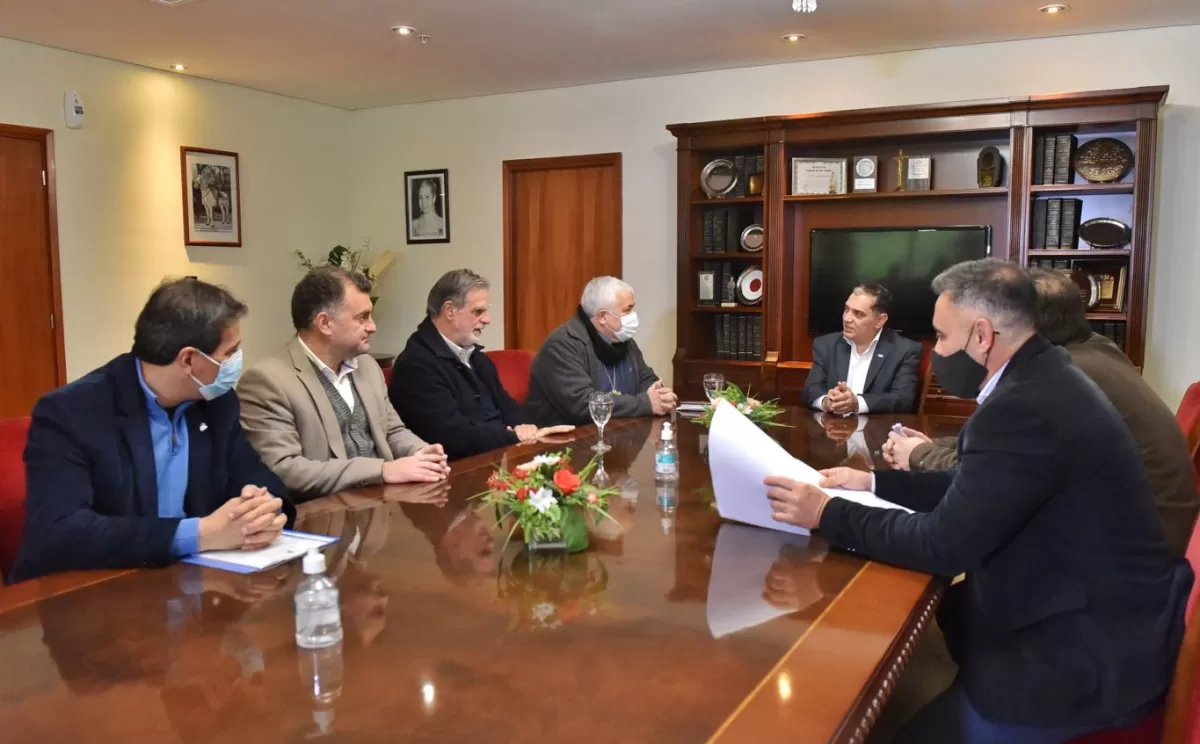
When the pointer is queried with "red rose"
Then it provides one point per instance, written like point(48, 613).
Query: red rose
point(567, 481)
point(522, 494)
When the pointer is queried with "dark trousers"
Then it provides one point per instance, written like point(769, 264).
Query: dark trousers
point(951, 719)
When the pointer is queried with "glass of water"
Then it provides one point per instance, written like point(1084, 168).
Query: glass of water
point(600, 406)
point(713, 385)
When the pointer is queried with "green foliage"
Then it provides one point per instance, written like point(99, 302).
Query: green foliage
point(762, 413)
point(346, 258)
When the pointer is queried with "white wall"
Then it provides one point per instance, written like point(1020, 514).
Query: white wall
point(120, 217)
point(472, 137)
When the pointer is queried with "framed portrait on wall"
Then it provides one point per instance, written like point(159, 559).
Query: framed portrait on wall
point(427, 206)
point(212, 197)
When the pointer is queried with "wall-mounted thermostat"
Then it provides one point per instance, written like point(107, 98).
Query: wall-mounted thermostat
point(73, 110)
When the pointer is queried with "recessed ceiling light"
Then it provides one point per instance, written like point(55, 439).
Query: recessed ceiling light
point(171, 2)
point(793, 37)
point(1055, 8)
point(178, 67)
point(404, 30)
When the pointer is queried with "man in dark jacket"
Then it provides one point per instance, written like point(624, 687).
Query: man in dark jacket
point(866, 367)
point(1072, 611)
point(143, 461)
point(447, 392)
point(1062, 320)
point(594, 352)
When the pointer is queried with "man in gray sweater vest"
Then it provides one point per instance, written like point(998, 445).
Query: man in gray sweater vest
point(593, 352)
point(320, 430)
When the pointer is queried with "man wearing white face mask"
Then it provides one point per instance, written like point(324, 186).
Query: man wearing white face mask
point(143, 461)
point(593, 352)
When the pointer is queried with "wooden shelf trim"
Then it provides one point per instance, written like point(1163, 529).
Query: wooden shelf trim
point(722, 362)
point(1107, 316)
point(752, 309)
point(728, 200)
point(931, 194)
point(1080, 252)
point(1082, 188)
point(727, 257)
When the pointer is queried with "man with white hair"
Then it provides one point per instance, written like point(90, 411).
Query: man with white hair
point(593, 352)
point(1071, 615)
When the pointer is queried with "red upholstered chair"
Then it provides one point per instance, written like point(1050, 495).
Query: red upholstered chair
point(13, 433)
point(1178, 722)
point(513, 367)
point(387, 376)
point(1188, 417)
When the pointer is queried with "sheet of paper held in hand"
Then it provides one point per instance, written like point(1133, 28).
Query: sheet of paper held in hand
point(289, 545)
point(741, 455)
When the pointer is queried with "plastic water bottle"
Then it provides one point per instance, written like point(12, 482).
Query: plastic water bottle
point(321, 671)
point(318, 614)
point(666, 456)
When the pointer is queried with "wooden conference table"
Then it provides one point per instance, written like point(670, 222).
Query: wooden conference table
point(448, 638)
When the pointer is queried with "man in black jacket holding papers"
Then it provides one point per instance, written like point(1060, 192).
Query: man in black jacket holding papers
point(1071, 614)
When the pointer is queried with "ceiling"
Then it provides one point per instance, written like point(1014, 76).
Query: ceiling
point(342, 53)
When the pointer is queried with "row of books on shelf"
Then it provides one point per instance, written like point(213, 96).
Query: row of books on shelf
point(746, 166)
point(738, 337)
point(1062, 264)
point(1052, 159)
point(1055, 223)
point(722, 231)
point(1113, 330)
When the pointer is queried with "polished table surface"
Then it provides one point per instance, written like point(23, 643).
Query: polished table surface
point(451, 637)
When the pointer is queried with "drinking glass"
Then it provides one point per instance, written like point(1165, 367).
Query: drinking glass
point(713, 385)
point(600, 406)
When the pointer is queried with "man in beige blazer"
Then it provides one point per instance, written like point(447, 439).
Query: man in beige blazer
point(322, 431)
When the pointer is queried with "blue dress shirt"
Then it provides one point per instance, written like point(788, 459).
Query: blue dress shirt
point(169, 434)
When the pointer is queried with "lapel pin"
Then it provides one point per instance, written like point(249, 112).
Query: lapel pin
point(203, 426)
point(879, 355)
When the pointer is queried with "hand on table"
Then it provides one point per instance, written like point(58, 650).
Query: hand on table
point(662, 399)
point(897, 450)
point(248, 522)
point(529, 433)
point(841, 400)
point(426, 465)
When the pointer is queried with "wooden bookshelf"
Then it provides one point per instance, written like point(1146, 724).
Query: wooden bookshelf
point(954, 134)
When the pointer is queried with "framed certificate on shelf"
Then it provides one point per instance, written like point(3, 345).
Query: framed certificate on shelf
point(818, 176)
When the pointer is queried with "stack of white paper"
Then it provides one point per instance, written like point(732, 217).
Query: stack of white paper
point(289, 545)
point(741, 456)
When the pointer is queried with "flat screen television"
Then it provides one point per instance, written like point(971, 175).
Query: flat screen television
point(903, 259)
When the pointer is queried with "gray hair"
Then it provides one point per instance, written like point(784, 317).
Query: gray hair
point(601, 294)
point(998, 290)
point(453, 287)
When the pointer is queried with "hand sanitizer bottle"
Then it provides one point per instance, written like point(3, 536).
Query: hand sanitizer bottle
point(666, 457)
point(318, 614)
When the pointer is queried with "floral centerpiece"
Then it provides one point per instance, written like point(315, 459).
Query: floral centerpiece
point(760, 412)
point(548, 500)
point(545, 590)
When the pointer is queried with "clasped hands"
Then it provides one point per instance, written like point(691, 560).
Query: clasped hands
point(426, 465)
point(840, 400)
point(662, 398)
point(899, 448)
point(247, 522)
point(802, 504)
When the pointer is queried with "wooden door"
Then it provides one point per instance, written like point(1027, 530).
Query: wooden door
point(31, 353)
point(562, 227)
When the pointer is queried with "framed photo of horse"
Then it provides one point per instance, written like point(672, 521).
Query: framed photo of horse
point(212, 197)
point(427, 206)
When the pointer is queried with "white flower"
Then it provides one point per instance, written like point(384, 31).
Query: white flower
point(542, 499)
point(743, 408)
point(543, 611)
point(541, 460)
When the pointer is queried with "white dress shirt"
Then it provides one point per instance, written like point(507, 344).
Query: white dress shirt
point(340, 379)
point(856, 375)
point(464, 355)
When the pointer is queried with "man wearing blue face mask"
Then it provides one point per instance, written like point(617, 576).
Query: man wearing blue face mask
point(594, 352)
point(143, 461)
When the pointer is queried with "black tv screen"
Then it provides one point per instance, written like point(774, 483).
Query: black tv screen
point(905, 260)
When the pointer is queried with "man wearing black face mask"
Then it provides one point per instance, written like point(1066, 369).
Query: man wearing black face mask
point(1071, 615)
point(143, 461)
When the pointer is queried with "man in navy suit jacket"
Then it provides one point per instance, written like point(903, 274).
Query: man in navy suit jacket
point(1072, 612)
point(143, 461)
point(866, 368)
